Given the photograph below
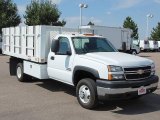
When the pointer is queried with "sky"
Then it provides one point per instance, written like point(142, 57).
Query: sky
point(105, 12)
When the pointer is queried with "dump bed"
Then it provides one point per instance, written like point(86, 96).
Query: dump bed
point(31, 42)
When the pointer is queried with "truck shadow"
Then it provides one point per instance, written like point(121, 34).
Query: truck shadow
point(146, 104)
point(144, 56)
point(56, 86)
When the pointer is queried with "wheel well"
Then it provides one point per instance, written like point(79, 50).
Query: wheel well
point(134, 50)
point(81, 74)
point(13, 64)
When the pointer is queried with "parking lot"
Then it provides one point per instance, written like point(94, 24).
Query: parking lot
point(51, 100)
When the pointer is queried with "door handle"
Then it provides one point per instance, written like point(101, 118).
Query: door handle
point(52, 57)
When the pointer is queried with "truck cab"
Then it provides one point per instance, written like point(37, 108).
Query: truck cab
point(98, 70)
point(69, 53)
point(135, 47)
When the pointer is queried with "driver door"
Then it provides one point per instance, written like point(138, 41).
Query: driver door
point(60, 62)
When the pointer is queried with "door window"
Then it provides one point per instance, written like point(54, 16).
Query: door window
point(63, 46)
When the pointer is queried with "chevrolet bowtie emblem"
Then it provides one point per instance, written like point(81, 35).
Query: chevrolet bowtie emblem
point(140, 72)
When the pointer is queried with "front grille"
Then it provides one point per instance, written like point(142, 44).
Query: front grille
point(137, 73)
point(138, 68)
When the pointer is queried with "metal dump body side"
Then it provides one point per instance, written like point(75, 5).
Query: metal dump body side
point(31, 42)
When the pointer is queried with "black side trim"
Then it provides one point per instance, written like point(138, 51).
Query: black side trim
point(87, 69)
point(35, 62)
point(127, 83)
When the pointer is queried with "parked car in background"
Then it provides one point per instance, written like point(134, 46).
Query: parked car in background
point(144, 45)
point(135, 45)
point(159, 45)
point(153, 45)
point(0, 44)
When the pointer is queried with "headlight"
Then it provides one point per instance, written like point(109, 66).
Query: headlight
point(116, 77)
point(112, 68)
point(152, 69)
point(115, 73)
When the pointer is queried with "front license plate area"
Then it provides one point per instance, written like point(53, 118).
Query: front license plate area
point(142, 90)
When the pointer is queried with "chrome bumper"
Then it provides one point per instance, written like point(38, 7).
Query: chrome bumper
point(101, 91)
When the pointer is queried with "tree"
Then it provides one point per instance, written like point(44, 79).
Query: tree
point(8, 14)
point(129, 23)
point(155, 34)
point(90, 23)
point(44, 13)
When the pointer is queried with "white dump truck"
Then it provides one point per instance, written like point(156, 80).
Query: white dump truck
point(144, 45)
point(153, 45)
point(119, 37)
point(88, 62)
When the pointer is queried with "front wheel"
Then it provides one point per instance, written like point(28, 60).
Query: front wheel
point(134, 52)
point(86, 92)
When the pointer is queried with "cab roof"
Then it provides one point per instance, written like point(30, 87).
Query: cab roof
point(82, 35)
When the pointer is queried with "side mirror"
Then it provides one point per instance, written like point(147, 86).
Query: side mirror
point(69, 53)
point(54, 45)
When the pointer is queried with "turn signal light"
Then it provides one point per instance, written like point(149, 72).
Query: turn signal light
point(110, 77)
point(88, 34)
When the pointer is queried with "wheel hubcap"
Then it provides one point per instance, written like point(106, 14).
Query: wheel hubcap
point(134, 53)
point(19, 72)
point(84, 94)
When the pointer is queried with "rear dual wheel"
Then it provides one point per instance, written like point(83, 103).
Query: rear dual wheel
point(20, 73)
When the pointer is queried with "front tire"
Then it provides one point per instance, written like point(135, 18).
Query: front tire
point(134, 52)
point(86, 92)
point(20, 73)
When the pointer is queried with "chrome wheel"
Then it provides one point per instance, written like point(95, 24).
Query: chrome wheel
point(134, 53)
point(84, 94)
point(19, 72)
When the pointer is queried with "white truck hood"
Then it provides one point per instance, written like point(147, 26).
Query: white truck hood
point(119, 59)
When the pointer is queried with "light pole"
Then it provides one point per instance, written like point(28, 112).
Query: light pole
point(82, 6)
point(147, 31)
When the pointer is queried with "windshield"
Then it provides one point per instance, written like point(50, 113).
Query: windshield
point(135, 42)
point(92, 44)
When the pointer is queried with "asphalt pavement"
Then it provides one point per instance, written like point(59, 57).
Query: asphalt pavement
point(52, 100)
